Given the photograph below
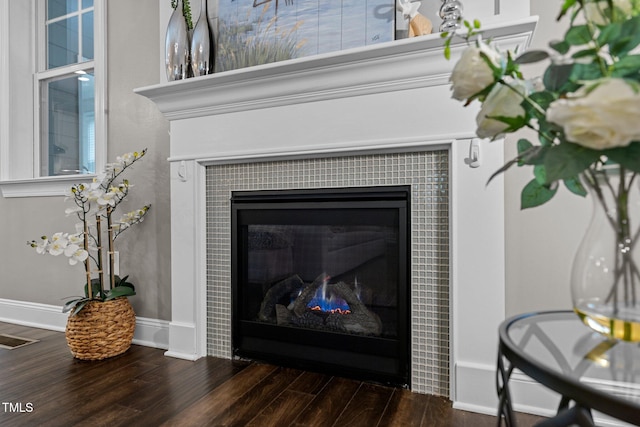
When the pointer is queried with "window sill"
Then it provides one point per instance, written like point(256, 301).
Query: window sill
point(41, 187)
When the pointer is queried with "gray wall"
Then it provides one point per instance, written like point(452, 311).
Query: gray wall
point(540, 242)
point(133, 124)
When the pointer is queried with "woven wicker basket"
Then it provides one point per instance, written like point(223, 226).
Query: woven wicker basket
point(101, 329)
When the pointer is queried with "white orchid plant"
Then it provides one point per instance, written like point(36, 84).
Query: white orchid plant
point(585, 108)
point(95, 205)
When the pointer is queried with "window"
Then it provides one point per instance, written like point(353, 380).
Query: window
point(66, 87)
point(52, 100)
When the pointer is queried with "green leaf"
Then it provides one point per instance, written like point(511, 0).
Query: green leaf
point(561, 46)
point(628, 156)
point(523, 146)
point(627, 66)
point(119, 291)
point(557, 76)
point(71, 303)
point(567, 160)
point(575, 186)
point(79, 306)
point(96, 289)
point(589, 71)
point(609, 33)
point(532, 56)
point(578, 35)
point(514, 123)
point(540, 173)
point(534, 194)
point(629, 37)
point(566, 6)
point(586, 53)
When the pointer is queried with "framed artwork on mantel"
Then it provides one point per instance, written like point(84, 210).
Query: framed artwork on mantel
point(255, 32)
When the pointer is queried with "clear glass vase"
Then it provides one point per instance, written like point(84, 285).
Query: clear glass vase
point(605, 280)
point(202, 45)
point(177, 46)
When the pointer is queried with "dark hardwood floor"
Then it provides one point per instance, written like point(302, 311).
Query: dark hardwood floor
point(41, 384)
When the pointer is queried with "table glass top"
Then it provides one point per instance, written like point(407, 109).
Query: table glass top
point(560, 342)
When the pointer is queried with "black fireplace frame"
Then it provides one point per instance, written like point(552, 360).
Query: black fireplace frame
point(383, 360)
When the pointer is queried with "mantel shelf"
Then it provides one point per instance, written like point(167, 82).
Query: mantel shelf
point(399, 65)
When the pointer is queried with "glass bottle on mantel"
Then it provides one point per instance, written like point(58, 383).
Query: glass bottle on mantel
point(202, 44)
point(177, 45)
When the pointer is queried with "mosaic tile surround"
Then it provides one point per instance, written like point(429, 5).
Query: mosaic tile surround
point(428, 174)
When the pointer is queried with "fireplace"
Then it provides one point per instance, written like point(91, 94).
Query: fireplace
point(375, 116)
point(320, 279)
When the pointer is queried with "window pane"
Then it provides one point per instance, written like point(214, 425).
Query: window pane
point(56, 8)
point(62, 42)
point(68, 124)
point(87, 36)
point(87, 3)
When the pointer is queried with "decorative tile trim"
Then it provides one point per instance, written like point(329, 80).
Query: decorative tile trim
point(428, 174)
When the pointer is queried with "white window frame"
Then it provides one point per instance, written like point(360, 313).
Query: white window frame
point(20, 135)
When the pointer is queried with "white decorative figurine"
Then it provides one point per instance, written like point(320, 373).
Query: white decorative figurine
point(419, 24)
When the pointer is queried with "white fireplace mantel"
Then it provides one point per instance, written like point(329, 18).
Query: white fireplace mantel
point(391, 97)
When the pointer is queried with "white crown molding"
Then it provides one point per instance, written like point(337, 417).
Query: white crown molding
point(393, 66)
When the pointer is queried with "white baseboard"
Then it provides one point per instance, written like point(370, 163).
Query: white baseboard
point(476, 392)
point(149, 332)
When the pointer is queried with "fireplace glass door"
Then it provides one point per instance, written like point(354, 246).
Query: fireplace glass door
point(320, 280)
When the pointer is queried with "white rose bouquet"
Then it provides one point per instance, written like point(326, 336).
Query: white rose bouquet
point(585, 110)
point(95, 205)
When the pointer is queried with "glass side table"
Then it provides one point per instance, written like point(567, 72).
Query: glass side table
point(587, 369)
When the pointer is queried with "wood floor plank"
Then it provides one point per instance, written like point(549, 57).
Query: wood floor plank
point(310, 382)
point(249, 405)
point(173, 390)
point(283, 410)
point(366, 407)
point(222, 398)
point(327, 406)
point(405, 409)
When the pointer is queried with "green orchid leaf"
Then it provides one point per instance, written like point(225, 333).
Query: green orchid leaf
point(79, 306)
point(96, 289)
point(575, 186)
point(119, 291)
point(628, 156)
point(578, 35)
point(535, 194)
point(532, 56)
point(567, 160)
point(71, 304)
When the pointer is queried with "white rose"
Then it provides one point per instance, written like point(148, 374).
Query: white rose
point(471, 74)
point(597, 11)
point(502, 101)
point(603, 117)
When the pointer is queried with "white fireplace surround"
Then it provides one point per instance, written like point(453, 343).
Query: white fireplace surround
point(392, 97)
